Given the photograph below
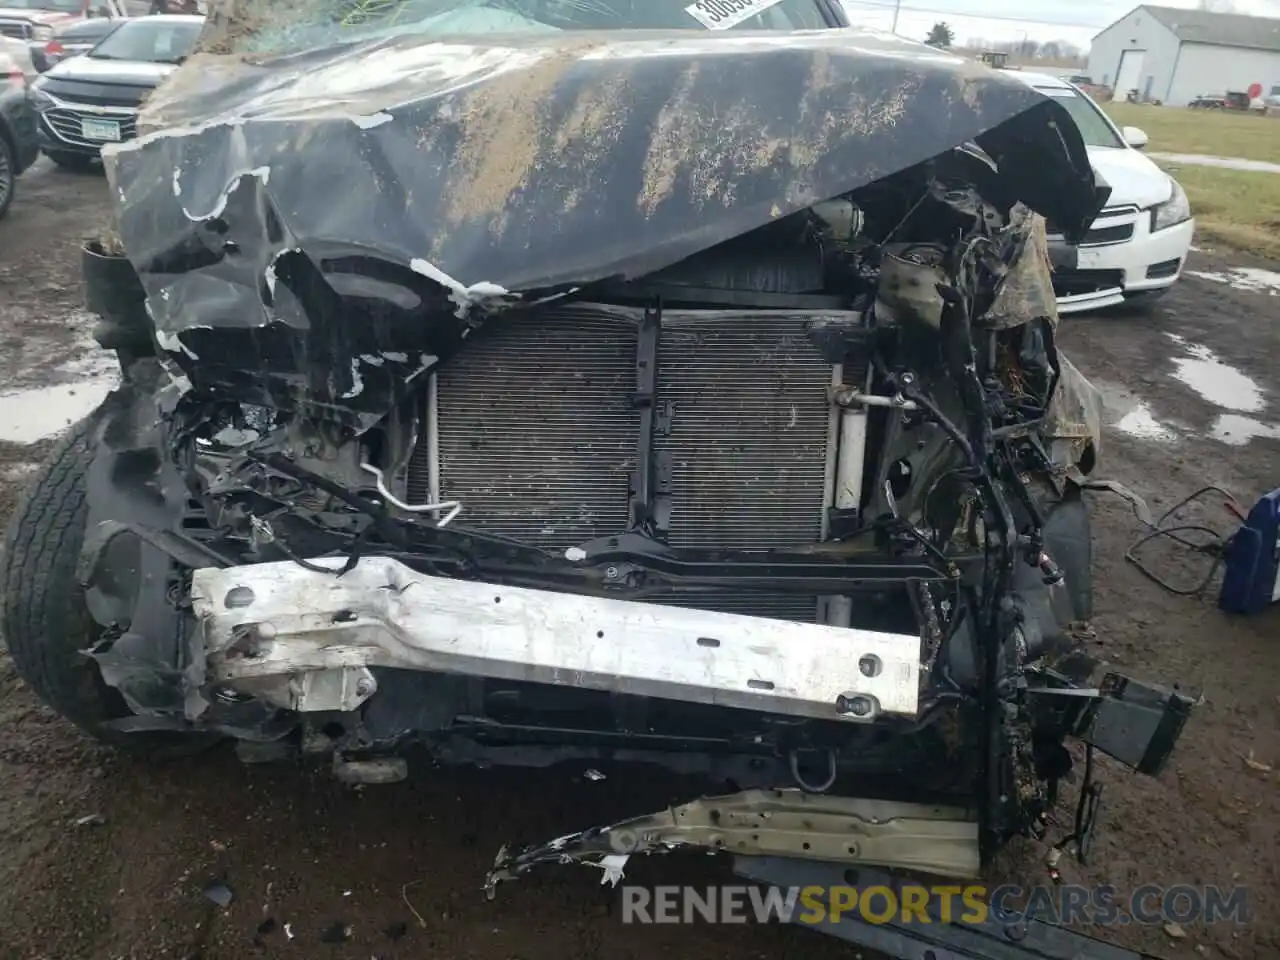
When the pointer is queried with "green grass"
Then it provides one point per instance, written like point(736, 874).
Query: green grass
point(1217, 132)
point(1235, 208)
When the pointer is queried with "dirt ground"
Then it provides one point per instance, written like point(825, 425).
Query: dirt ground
point(401, 866)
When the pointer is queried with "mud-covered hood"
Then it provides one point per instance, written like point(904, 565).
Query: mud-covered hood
point(261, 193)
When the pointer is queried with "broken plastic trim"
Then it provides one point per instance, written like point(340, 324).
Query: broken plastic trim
point(844, 830)
point(280, 619)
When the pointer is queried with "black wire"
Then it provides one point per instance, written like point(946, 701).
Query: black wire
point(305, 564)
point(1217, 548)
point(1086, 811)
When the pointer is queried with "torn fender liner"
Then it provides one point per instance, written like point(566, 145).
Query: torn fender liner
point(291, 215)
point(908, 836)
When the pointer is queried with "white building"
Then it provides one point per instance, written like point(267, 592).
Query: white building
point(1174, 55)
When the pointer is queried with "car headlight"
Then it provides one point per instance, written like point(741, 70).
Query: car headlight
point(36, 94)
point(1175, 210)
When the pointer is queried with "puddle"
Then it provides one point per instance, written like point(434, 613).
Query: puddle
point(1244, 278)
point(30, 415)
point(1129, 415)
point(1237, 431)
point(1217, 382)
point(1141, 423)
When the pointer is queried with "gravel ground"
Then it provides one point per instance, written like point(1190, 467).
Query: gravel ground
point(401, 865)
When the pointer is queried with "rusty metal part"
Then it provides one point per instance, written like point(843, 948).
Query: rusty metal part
point(791, 823)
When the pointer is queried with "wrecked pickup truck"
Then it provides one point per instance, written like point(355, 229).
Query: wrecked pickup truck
point(550, 381)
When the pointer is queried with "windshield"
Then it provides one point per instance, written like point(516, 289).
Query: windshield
point(61, 6)
point(312, 23)
point(150, 41)
point(1094, 127)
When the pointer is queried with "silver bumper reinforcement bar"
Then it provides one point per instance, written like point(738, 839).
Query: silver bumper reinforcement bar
point(321, 632)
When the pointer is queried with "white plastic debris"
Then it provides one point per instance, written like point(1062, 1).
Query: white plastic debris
point(594, 775)
point(611, 866)
point(464, 297)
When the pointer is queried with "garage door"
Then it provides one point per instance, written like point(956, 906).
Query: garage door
point(1129, 72)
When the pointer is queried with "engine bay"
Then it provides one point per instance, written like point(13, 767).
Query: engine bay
point(848, 424)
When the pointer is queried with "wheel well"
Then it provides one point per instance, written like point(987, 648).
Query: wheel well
point(6, 134)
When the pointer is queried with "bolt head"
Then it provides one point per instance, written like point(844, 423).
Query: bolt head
point(852, 703)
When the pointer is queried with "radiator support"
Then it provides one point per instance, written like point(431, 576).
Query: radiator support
point(704, 429)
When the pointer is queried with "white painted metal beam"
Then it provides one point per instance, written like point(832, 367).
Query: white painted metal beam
point(278, 619)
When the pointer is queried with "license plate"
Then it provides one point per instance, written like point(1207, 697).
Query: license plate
point(100, 130)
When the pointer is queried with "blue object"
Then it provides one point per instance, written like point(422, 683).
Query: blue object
point(1252, 581)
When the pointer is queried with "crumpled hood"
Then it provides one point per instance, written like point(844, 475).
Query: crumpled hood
point(526, 164)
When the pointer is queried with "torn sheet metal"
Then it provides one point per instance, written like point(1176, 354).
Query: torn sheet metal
point(932, 839)
point(378, 195)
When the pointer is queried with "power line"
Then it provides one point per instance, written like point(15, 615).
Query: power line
point(881, 4)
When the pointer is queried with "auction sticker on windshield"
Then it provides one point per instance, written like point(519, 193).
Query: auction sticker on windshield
point(723, 14)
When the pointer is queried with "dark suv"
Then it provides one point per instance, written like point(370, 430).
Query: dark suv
point(18, 147)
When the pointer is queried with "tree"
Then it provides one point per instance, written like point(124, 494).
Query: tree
point(941, 36)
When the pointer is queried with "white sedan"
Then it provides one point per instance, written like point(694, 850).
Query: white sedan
point(1138, 244)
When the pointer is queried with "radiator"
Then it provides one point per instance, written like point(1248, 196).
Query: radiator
point(538, 433)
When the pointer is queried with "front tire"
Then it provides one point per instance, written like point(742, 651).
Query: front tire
point(8, 173)
point(43, 615)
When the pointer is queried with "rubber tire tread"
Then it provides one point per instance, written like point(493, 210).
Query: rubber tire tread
point(44, 619)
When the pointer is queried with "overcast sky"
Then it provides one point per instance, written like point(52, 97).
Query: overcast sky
point(1042, 20)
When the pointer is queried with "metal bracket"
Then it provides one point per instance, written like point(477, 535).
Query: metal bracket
point(817, 827)
point(643, 514)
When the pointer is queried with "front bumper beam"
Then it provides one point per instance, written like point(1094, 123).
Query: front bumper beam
point(305, 639)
